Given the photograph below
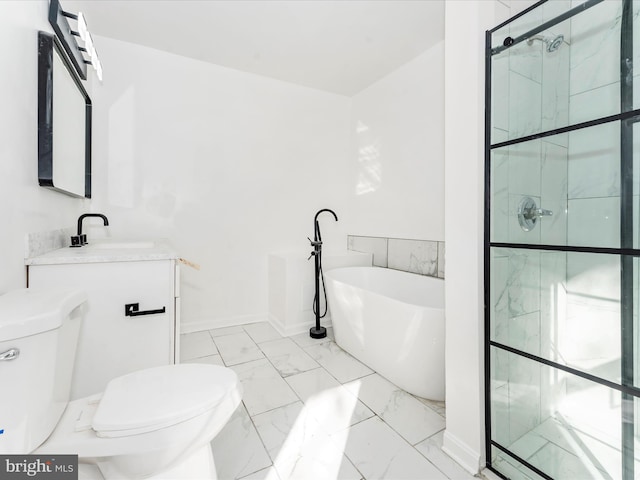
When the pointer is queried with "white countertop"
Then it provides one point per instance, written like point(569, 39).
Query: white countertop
point(107, 251)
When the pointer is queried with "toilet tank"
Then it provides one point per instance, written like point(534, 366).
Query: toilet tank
point(38, 334)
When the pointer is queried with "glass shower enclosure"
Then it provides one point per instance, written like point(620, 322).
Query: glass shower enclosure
point(562, 243)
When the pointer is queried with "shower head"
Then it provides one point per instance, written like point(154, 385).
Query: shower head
point(555, 44)
point(552, 44)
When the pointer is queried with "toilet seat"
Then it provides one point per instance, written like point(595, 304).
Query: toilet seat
point(75, 432)
point(157, 398)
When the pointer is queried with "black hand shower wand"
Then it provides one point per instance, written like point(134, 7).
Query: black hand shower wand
point(316, 243)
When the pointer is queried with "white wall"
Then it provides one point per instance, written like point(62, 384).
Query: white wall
point(465, 24)
point(228, 166)
point(25, 207)
point(397, 157)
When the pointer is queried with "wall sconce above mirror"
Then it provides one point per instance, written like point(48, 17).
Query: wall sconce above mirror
point(68, 38)
point(58, 20)
point(64, 122)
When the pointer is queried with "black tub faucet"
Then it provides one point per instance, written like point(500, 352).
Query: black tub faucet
point(81, 238)
point(318, 331)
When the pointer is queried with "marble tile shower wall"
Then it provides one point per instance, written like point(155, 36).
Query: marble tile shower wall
point(594, 88)
point(528, 295)
point(593, 190)
point(530, 94)
point(424, 257)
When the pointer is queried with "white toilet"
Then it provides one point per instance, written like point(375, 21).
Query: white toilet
point(155, 423)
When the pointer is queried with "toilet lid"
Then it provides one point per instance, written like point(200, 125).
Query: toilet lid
point(159, 397)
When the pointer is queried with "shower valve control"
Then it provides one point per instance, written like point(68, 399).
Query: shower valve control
point(314, 244)
point(528, 213)
point(317, 247)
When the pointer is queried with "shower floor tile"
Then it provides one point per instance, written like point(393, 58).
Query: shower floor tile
point(570, 451)
point(312, 411)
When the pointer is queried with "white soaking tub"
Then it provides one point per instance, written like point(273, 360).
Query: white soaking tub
point(393, 322)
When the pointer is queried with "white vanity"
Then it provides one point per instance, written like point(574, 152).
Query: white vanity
point(115, 340)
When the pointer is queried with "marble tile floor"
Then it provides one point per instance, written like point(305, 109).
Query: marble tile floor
point(310, 411)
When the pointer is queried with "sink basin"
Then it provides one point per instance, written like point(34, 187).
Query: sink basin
point(121, 245)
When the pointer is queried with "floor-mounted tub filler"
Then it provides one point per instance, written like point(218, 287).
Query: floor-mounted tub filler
point(392, 321)
point(318, 331)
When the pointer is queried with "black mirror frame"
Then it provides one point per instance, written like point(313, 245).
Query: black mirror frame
point(46, 45)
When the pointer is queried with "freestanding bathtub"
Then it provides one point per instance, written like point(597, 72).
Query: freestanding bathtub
point(393, 322)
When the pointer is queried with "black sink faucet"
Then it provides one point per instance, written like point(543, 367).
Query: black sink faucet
point(81, 238)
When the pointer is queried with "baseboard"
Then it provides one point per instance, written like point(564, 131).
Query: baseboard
point(296, 329)
point(285, 331)
point(489, 475)
point(277, 324)
point(464, 455)
point(201, 325)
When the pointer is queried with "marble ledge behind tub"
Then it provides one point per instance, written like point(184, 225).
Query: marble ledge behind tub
point(424, 257)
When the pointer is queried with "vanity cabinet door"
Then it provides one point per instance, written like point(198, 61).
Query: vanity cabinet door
point(113, 344)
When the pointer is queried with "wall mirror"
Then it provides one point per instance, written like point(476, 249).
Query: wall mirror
point(64, 122)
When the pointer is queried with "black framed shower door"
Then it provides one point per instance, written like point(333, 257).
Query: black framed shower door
point(562, 248)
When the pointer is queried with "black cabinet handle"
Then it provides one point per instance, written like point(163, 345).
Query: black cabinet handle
point(132, 310)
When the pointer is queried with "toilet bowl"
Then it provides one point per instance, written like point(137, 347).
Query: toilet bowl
point(154, 423)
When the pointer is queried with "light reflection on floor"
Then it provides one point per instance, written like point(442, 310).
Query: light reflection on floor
point(299, 422)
